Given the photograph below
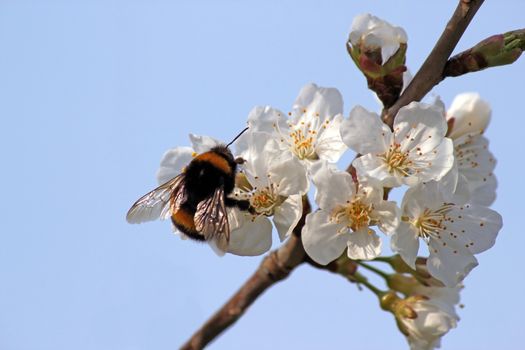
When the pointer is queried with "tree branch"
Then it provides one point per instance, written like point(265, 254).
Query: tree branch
point(275, 267)
point(430, 73)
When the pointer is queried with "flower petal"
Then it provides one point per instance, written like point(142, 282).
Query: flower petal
point(405, 242)
point(450, 264)
point(364, 244)
point(333, 186)
point(417, 113)
point(320, 238)
point(252, 237)
point(372, 167)
point(329, 144)
point(485, 193)
point(477, 226)
point(290, 175)
point(287, 215)
point(259, 150)
point(173, 163)
point(265, 119)
point(201, 144)
point(325, 101)
point(364, 132)
point(388, 214)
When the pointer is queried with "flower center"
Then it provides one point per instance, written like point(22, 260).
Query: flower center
point(397, 161)
point(264, 200)
point(431, 222)
point(303, 144)
point(355, 215)
point(302, 136)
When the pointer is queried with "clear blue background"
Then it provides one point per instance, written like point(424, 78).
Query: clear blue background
point(91, 95)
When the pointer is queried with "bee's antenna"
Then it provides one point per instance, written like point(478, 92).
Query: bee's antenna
point(236, 137)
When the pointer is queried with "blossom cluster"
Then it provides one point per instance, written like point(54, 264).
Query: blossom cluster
point(439, 157)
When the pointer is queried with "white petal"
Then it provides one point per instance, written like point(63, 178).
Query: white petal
point(364, 244)
point(266, 119)
point(325, 101)
point(287, 215)
point(370, 166)
point(470, 113)
point(450, 181)
point(421, 113)
point(388, 214)
point(252, 238)
point(364, 132)
point(201, 144)
point(333, 186)
point(450, 264)
point(434, 164)
point(320, 238)
point(329, 145)
point(424, 195)
point(478, 226)
point(463, 192)
point(259, 150)
point(173, 163)
point(290, 175)
point(474, 159)
point(405, 242)
point(485, 193)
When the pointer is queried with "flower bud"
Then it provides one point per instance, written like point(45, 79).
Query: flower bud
point(497, 50)
point(468, 114)
point(431, 322)
point(379, 51)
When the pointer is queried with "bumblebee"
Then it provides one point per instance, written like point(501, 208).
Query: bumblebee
point(196, 199)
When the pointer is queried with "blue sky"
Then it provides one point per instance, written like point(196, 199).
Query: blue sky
point(91, 95)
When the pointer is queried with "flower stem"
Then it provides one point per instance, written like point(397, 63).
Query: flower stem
point(361, 279)
point(374, 269)
point(385, 259)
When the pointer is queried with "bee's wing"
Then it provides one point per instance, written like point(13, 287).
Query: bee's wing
point(211, 219)
point(156, 204)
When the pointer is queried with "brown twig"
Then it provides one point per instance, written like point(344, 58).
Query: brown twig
point(430, 73)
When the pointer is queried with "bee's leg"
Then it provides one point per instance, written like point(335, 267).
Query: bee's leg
point(241, 204)
point(240, 160)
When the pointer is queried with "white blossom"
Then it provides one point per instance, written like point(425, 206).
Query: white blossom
point(416, 151)
point(346, 212)
point(311, 130)
point(453, 232)
point(272, 182)
point(473, 180)
point(372, 33)
point(434, 319)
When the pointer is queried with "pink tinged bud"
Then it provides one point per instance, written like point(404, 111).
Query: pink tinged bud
point(497, 50)
point(379, 51)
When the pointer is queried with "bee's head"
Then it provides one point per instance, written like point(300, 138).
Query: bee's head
point(224, 151)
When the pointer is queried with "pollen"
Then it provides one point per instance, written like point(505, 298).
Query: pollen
point(265, 199)
point(397, 161)
point(355, 215)
point(432, 221)
point(303, 144)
